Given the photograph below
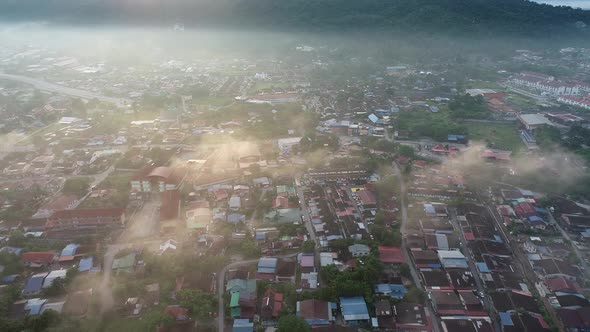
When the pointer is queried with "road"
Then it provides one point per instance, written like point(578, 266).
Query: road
point(221, 287)
point(305, 211)
point(487, 302)
point(427, 308)
point(106, 294)
point(50, 87)
point(577, 251)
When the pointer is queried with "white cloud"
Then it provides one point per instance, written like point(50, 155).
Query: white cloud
point(585, 4)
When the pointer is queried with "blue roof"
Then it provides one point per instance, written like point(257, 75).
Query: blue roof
point(498, 238)
point(393, 290)
point(9, 279)
point(373, 118)
point(454, 262)
point(260, 236)
point(12, 250)
point(482, 267)
point(535, 218)
point(354, 308)
point(505, 319)
point(541, 210)
point(34, 284)
point(243, 325)
point(86, 264)
point(34, 306)
point(70, 249)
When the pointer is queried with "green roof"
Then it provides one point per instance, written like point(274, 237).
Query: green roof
point(236, 312)
point(287, 189)
point(198, 222)
point(125, 263)
point(283, 216)
point(235, 300)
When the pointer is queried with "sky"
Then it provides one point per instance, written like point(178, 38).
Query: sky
point(573, 3)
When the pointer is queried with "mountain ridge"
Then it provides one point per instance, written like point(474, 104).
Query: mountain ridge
point(464, 17)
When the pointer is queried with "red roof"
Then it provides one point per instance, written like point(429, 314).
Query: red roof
point(177, 312)
point(281, 201)
point(88, 213)
point(162, 172)
point(391, 255)
point(40, 257)
point(272, 300)
point(170, 205)
point(367, 197)
point(560, 283)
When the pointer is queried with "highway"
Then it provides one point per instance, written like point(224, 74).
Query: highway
point(50, 87)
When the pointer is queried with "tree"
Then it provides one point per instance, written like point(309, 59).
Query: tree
point(157, 318)
point(308, 246)
point(292, 323)
point(200, 304)
point(405, 151)
point(76, 186)
point(415, 295)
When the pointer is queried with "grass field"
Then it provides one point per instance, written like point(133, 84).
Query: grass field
point(500, 135)
point(267, 85)
point(521, 101)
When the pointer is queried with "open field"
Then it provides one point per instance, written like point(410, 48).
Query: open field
point(499, 135)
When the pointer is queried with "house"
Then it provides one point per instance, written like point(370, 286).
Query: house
point(55, 274)
point(359, 250)
point(124, 264)
point(235, 203)
point(385, 315)
point(446, 302)
point(38, 259)
point(86, 264)
point(267, 268)
point(452, 259)
point(198, 218)
point(390, 255)
point(315, 312)
point(243, 325)
point(271, 304)
point(80, 222)
point(177, 312)
point(34, 285)
point(354, 310)
point(533, 121)
point(411, 317)
point(62, 202)
point(562, 284)
point(396, 291)
point(307, 262)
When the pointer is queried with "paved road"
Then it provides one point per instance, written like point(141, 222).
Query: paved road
point(221, 287)
point(46, 86)
point(305, 211)
point(427, 308)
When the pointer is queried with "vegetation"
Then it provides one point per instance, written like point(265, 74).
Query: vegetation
point(426, 124)
point(292, 323)
point(479, 17)
point(502, 136)
point(468, 107)
point(76, 186)
point(201, 305)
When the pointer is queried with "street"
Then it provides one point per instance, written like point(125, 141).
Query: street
point(428, 308)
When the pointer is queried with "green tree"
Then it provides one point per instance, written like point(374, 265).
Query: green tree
point(76, 186)
point(156, 318)
point(308, 246)
point(406, 151)
point(292, 323)
point(201, 305)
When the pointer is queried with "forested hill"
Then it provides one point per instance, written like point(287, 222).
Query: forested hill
point(488, 17)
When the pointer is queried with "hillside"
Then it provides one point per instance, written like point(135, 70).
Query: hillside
point(467, 17)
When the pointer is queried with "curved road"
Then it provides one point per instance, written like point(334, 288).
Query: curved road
point(221, 287)
point(46, 86)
